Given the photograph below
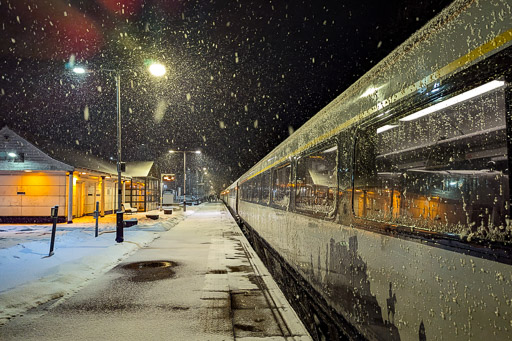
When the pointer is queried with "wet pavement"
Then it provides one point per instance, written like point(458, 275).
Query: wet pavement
point(200, 280)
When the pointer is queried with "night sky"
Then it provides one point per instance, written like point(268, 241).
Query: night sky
point(242, 75)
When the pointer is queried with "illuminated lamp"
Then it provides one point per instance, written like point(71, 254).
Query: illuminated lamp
point(157, 69)
point(78, 70)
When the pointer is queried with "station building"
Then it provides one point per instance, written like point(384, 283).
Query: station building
point(33, 179)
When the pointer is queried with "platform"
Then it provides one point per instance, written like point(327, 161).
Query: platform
point(200, 280)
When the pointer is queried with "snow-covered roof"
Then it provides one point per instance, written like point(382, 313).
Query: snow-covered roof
point(139, 169)
point(47, 155)
point(83, 160)
point(28, 156)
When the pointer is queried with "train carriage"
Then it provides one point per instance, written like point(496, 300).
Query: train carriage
point(387, 215)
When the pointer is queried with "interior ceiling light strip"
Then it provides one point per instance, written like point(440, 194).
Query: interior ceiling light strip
point(386, 127)
point(455, 100)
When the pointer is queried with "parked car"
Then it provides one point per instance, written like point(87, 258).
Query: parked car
point(191, 200)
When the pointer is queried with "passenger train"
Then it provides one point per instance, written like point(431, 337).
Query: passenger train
point(387, 215)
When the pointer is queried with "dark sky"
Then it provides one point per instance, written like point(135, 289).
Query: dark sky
point(241, 74)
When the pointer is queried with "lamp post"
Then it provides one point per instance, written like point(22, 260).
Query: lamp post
point(119, 213)
point(157, 70)
point(184, 173)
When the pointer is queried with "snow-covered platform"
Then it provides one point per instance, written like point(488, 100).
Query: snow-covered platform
point(200, 280)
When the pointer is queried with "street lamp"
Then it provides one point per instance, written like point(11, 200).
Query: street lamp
point(79, 70)
point(156, 69)
point(184, 172)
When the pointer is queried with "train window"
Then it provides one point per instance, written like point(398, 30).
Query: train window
point(250, 190)
point(244, 191)
point(265, 187)
point(373, 188)
point(281, 185)
point(256, 188)
point(316, 181)
point(443, 168)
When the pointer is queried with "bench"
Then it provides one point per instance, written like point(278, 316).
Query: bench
point(167, 210)
point(153, 216)
point(128, 209)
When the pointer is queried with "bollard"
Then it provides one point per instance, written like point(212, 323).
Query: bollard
point(55, 212)
point(96, 215)
point(119, 227)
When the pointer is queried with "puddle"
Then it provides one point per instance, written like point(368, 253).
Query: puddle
point(217, 272)
point(247, 328)
point(240, 268)
point(149, 271)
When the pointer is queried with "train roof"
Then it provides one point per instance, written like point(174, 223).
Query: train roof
point(463, 34)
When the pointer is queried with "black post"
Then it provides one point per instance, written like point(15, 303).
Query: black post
point(54, 214)
point(96, 215)
point(119, 214)
point(119, 227)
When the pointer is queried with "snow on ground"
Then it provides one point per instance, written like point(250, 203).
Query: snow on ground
point(28, 277)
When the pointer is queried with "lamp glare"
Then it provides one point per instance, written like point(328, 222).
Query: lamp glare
point(157, 69)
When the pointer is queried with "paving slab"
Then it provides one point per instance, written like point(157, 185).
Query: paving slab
point(200, 280)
